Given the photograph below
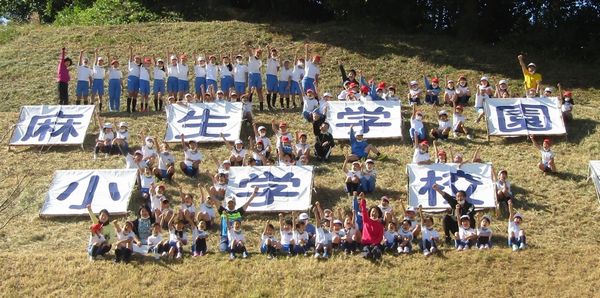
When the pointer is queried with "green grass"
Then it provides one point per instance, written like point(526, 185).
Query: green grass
point(44, 257)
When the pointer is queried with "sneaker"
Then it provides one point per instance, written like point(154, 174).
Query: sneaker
point(406, 250)
point(482, 247)
point(426, 252)
point(195, 254)
point(453, 134)
point(178, 255)
point(515, 247)
point(400, 249)
point(381, 157)
point(434, 250)
point(244, 255)
point(460, 248)
point(522, 246)
point(105, 155)
point(306, 254)
point(231, 257)
point(317, 255)
point(269, 257)
point(91, 258)
point(200, 254)
point(470, 137)
point(164, 254)
point(95, 156)
point(325, 256)
point(486, 246)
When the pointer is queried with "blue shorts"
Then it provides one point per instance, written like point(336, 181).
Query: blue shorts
point(159, 86)
point(226, 83)
point(295, 88)
point(133, 84)
point(254, 80)
point(145, 190)
point(164, 174)
point(240, 87)
point(173, 244)
point(190, 171)
point(199, 82)
point(308, 83)
point(144, 87)
point(211, 82)
point(272, 83)
point(83, 88)
point(286, 248)
point(172, 84)
point(283, 88)
point(183, 86)
point(263, 248)
point(98, 86)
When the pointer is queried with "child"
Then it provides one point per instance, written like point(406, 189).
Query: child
point(390, 238)
point(177, 237)
point(301, 148)
point(237, 151)
point(297, 74)
point(237, 241)
point(349, 236)
point(172, 84)
point(199, 236)
point(353, 176)
point(146, 182)
point(301, 236)
point(105, 138)
point(254, 77)
point(532, 79)
point(183, 84)
point(391, 94)
point(421, 155)
point(484, 232)
point(516, 236)
point(145, 83)
point(405, 237)
point(156, 244)
point(165, 168)
point(311, 70)
point(103, 218)
point(310, 104)
point(324, 142)
point(324, 237)
point(417, 129)
point(414, 93)
point(97, 245)
point(187, 212)
point(484, 92)
point(463, 93)
point(240, 75)
point(359, 147)
point(368, 177)
point(444, 126)
point(287, 235)
point(125, 240)
point(193, 158)
point(271, 77)
point(410, 214)
point(458, 122)
point(430, 235)
point(364, 94)
point(207, 212)
point(450, 93)
point(465, 237)
point(115, 85)
point(247, 106)
point(133, 80)
point(158, 89)
point(211, 73)
point(280, 132)
point(148, 149)
point(503, 191)
point(372, 232)
point(433, 91)
point(98, 74)
point(84, 78)
point(229, 214)
point(63, 78)
point(226, 72)
point(547, 164)
point(502, 90)
point(285, 84)
point(269, 244)
point(566, 103)
point(122, 138)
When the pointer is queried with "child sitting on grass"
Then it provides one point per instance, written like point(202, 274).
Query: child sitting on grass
point(484, 232)
point(269, 244)
point(237, 241)
point(199, 236)
point(547, 164)
point(97, 245)
point(177, 238)
point(125, 240)
point(353, 176)
point(373, 229)
point(466, 236)
point(458, 122)
point(156, 244)
point(287, 235)
point(405, 237)
point(390, 238)
point(516, 236)
point(324, 237)
point(359, 147)
point(430, 236)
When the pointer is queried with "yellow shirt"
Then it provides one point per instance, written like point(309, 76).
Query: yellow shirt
point(532, 80)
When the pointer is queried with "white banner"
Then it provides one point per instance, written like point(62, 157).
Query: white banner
point(283, 188)
point(203, 122)
point(72, 190)
point(595, 175)
point(377, 119)
point(524, 116)
point(52, 125)
point(473, 178)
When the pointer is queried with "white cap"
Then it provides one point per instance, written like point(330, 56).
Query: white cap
point(464, 216)
point(123, 123)
point(261, 128)
point(369, 161)
point(450, 81)
point(410, 209)
point(413, 83)
point(148, 138)
point(519, 215)
point(173, 57)
point(502, 82)
point(442, 112)
point(531, 64)
point(337, 222)
point(107, 125)
point(201, 58)
point(227, 161)
point(229, 199)
point(238, 141)
point(100, 58)
point(219, 91)
point(356, 162)
point(484, 78)
point(303, 216)
point(159, 60)
point(548, 89)
point(327, 94)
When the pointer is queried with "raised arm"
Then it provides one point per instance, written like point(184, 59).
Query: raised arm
point(80, 57)
point(96, 56)
point(93, 216)
point(306, 52)
point(317, 213)
point(227, 144)
point(281, 221)
point(130, 53)
point(560, 94)
point(420, 209)
point(117, 226)
point(511, 211)
point(522, 63)
point(251, 198)
point(534, 142)
point(183, 142)
point(476, 156)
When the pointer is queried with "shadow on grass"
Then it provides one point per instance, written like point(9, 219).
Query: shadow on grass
point(579, 129)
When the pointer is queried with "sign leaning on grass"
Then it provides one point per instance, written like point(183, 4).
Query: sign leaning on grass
point(376, 119)
point(281, 188)
point(72, 190)
point(595, 175)
point(52, 125)
point(473, 178)
point(524, 116)
point(203, 122)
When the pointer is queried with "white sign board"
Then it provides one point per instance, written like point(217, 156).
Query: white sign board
point(473, 178)
point(52, 125)
point(376, 119)
point(595, 175)
point(204, 122)
point(72, 190)
point(281, 188)
point(524, 116)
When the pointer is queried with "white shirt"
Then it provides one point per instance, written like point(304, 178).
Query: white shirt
point(84, 73)
point(414, 93)
point(146, 181)
point(390, 236)
point(154, 240)
point(208, 210)
point(461, 91)
point(430, 234)
point(254, 65)
point(182, 72)
point(148, 152)
point(420, 157)
point(239, 73)
point(211, 72)
point(566, 107)
point(159, 74)
point(323, 236)
point(164, 160)
point(96, 238)
point(485, 232)
point(456, 119)
point(134, 69)
point(189, 208)
point(300, 238)
point(464, 233)
point(106, 136)
point(130, 163)
point(310, 104)
point(272, 66)
point(279, 136)
point(174, 237)
point(98, 72)
point(197, 233)
point(241, 153)
point(123, 135)
point(286, 237)
point(513, 227)
point(122, 236)
point(369, 173)
point(297, 73)
point(155, 201)
point(144, 74)
point(233, 237)
point(199, 71)
point(301, 148)
point(444, 124)
point(311, 70)
point(191, 156)
point(405, 234)
point(172, 70)
point(365, 97)
point(546, 155)
point(114, 73)
point(285, 74)
point(500, 185)
point(224, 70)
point(247, 107)
point(264, 237)
point(323, 106)
point(416, 124)
point(353, 173)
point(266, 141)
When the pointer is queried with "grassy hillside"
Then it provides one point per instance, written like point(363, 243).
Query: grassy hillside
point(47, 257)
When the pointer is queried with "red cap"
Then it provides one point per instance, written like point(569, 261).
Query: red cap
point(309, 91)
point(352, 85)
point(459, 107)
point(435, 80)
point(381, 86)
point(114, 61)
point(548, 141)
point(317, 58)
point(260, 142)
point(567, 94)
point(352, 92)
point(285, 139)
point(147, 60)
point(442, 153)
point(424, 143)
point(95, 228)
point(462, 77)
point(364, 89)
